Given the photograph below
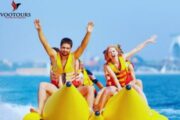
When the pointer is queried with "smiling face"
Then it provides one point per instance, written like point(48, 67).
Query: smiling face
point(112, 52)
point(65, 49)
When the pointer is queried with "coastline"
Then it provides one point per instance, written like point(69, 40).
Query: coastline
point(44, 72)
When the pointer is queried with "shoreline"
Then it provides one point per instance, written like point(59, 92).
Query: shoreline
point(96, 73)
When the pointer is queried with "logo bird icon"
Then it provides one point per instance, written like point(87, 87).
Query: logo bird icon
point(15, 5)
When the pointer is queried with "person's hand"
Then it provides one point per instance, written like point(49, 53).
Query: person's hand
point(37, 24)
point(90, 26)
point(79, 77)
point(152, 39)
point(119, 88)
point(132, 83)
point(54, 76)
point(77, 80)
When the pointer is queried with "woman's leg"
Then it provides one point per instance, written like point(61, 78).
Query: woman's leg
point(139, 83)
point(88, 93)
point(107, 93)
point(97, 99)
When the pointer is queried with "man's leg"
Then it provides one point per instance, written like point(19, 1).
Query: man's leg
point(45, 90)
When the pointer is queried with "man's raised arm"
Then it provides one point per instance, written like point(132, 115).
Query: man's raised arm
point(43, 40)
point(78, 52)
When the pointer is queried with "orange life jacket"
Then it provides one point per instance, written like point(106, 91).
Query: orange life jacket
point(123, 74)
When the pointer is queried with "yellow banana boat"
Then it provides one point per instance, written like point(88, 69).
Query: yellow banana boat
point(68, 104)
point(129, 105)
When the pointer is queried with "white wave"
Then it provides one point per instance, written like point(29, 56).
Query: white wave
point(170, 113)
point(13, 111)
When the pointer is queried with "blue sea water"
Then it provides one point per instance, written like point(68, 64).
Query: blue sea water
point(19, 93)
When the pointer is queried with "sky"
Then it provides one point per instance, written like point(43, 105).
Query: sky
point(125, 22)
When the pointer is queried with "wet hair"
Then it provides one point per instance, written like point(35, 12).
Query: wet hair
point(56, 49)
point(119, 49)
point(104, 52)
point(105, 55)
point(66, 40)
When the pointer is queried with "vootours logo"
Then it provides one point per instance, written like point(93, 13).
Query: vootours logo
point(14, 14)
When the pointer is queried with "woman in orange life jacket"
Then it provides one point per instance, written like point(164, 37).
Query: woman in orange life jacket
point(119, 72)
point(64, 60)
point(130, 65)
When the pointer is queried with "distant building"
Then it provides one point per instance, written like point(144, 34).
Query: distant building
point(137, 61)
point(175, 48)
point(95, 63)
point(172, 63)
point(23, 68)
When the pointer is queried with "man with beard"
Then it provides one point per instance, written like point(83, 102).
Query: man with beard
point(63, 66)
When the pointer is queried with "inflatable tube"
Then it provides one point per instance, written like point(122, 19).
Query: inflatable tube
point(32, 116)
point(129, 105)
point(66, 104)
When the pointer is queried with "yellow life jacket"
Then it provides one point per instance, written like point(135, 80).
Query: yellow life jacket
point(123, 72)
point(68, 68)
point(87, 81)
